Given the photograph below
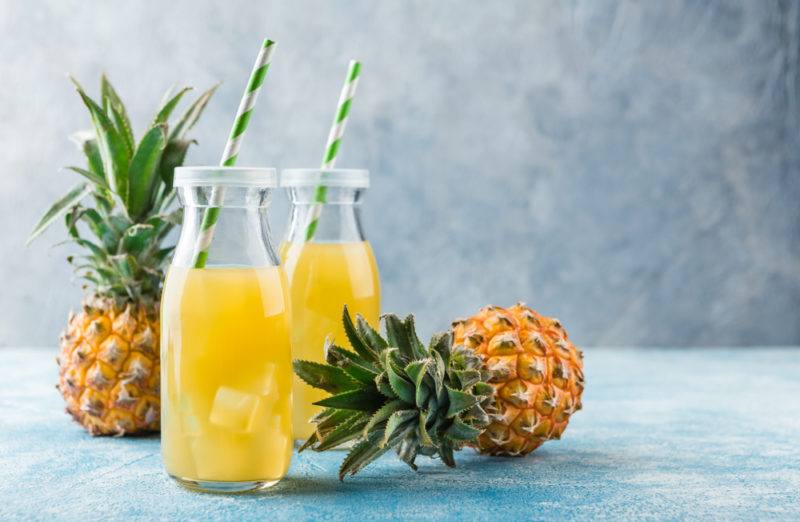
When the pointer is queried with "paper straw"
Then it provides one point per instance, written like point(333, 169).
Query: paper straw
point(249, 98)
point(334, 139)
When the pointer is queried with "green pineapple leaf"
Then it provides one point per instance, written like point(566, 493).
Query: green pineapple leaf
point(137, 239)
point(71, 199)
point(113, 149)
point(71, 220)
point(100, 228)
point(461, 431)
point(358, 343)
point(403, 388)
point(173, 156)
point(399, 420)
point(165, 111)
point(344, 431)
point(191, 115)
point(99, 255)
point(424, 437)
point(397, 336)
point(383, 387)
point(458, 402)
point(383, 414)
point(110, 98)
point(368, 333)
point(362, 454)
point(162, 256)
point(446, 454)
point(351, 363)
point(126, 265)
point(91, 176)
point(112, 104)
point(87, 143)
point(416, 345)
point(326, 422)
point(142, 174)
point(328, 378)
point(358, 400)
point(164, 223)
point(123, 129)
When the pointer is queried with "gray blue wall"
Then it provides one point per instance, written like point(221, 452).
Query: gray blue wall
point(631, 167)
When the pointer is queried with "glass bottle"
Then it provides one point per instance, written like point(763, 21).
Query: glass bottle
point(335, 267)
point(226, 394)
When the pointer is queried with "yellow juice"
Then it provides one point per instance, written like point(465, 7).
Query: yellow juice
point(323, 277)
point(226, 374)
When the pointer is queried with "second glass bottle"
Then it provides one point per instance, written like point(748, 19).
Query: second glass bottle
point(332, 268)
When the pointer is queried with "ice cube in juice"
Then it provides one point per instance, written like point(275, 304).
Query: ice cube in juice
point(233, 409)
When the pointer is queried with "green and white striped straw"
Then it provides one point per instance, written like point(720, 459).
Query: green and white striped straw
point(246, 105)
point(334, 139)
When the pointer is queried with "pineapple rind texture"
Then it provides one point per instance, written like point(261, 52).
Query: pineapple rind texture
point(537, 375)
point(109, 367)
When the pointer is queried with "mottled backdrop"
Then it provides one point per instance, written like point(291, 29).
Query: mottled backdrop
point(631, 167)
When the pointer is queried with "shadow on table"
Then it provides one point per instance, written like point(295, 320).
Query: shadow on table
point(302, 486)
point(541, 466)
point(321, 486)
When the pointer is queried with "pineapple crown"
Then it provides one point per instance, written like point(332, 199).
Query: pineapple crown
point(126, 201)
point(394, 392)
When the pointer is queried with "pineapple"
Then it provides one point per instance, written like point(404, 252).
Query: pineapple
point(503, 382)
point(536, 373)
point(121, 216)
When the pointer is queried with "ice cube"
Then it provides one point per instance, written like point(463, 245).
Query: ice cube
point(234, 409)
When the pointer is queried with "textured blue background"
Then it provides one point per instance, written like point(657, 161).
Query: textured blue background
point(631, 167)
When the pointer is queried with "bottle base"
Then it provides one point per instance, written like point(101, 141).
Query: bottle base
point(219, 486)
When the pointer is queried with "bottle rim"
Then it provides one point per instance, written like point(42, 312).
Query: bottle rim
point(265, 177)
point(345, 178)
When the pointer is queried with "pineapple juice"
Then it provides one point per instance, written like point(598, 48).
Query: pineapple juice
point(226, 361)
point(323, 277)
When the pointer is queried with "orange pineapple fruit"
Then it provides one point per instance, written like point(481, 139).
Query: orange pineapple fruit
point(109, 367)
point(536, 372)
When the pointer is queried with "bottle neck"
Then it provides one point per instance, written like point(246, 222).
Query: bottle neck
point(241, 233)
point(338, 219)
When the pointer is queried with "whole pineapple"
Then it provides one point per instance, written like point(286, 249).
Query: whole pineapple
point(536, 373)
point(503, 381)
point(121, 217)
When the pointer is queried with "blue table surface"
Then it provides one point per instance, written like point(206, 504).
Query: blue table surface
point(664, 434)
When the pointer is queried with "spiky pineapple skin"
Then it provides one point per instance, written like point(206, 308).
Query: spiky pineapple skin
point(537, 376)
point(109, 367)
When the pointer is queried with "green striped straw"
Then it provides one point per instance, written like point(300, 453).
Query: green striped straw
point(334, 139)
point(249, 98)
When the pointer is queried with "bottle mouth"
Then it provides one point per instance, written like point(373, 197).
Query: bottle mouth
point(345, 178)
point(263, 177)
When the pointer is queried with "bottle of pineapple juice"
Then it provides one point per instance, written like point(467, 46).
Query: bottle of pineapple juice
point(226, 349)
point(335, 267)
